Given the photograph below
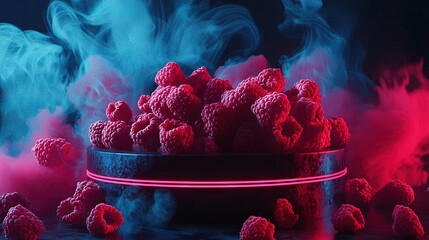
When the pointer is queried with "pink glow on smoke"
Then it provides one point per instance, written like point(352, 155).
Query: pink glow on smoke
point(242, 70)
point(43, 187)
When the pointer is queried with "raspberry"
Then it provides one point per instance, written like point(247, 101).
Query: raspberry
point(340, 135)
point(158, 102)
point(307, 111)
point(183, 103)
point(175, 136)
point(198, 127)
point(241, 98)
point(204, 145)
point(248, 138)
point(286, 134)
point(198, 80)
point(116, 135)
point(119, 111)
point(305, 88)
point(96, 133)
point(348, 219)
point(284, 217)
point(394, 193)
point(271, 109)
point(89, 193)
point(143, 103)
point(406, 224)
point(170, 75)
point(358, 192)
point(271, 79)
point(20, 223)
point(145, 132)
point(214, 90)
point(315, 136)
point(9, 200)
point(50, 151)
point(104, 219)
point(257, 228)
point(218, 119)
point(72, 211)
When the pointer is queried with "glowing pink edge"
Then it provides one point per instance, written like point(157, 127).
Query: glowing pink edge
point(216, 184)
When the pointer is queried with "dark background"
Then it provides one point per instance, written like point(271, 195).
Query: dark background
point(393, 32)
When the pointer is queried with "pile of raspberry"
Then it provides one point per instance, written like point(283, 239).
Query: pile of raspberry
point(201, 114)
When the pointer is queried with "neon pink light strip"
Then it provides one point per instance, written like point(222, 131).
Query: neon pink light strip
point(216, 184)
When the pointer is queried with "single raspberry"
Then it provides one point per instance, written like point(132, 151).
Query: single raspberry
point(406, 224)
point(241, 98)
point(51, 151)
point(286, 134)
point(394, 193)
point(104, 219)
point(198, 127)
point(305, 88)
point(170, 75)
point(307, 111)
point(9, 200)
point(145, 132)
point(96, 133)
point(158, 102)
point(284, 217)
point(89, 193)
point(271, 79)
point(248, 138)
point(175, 136)
point(20, 223)
point(116, 135)
point(358, 192)
point(204, 145)
point(198, 80)
point(257, 228)
point(73, 212)
point(183, 103)
point(348, 219)
point(214, 90)
point(218, 119)
point(340, 134)
point(119, 111)
point(315, 136)
point(143, 103)
point(271, 109)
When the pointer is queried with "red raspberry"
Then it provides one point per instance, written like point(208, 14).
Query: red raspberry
point(257, 228)
point(204, 145)
point(406, 224)
point(50, 151)
point(175, 136)
point(119, 111)
point(72, 211)
point(286, 134)
point(284, 217)
point(145, 132)
point(214, 90)
point(198, 80)
point(241, 98)
point(20, 223)
point(340, 134)
point(183, 103)
point(9, 200)
point(143, 103)
point(96, 133)
point(315, 136)
point(271, 109)
point(158, 102)
point(348, 219)
point(271, 79)
point(218, 119)
point(170, 75)
point(358, 192)
point(104, 219)
point(116, 135)
point(248, 138)
point(305, 88)
point(89, 193)
point(198, 127)
point(394, 193)
point(307, 111)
